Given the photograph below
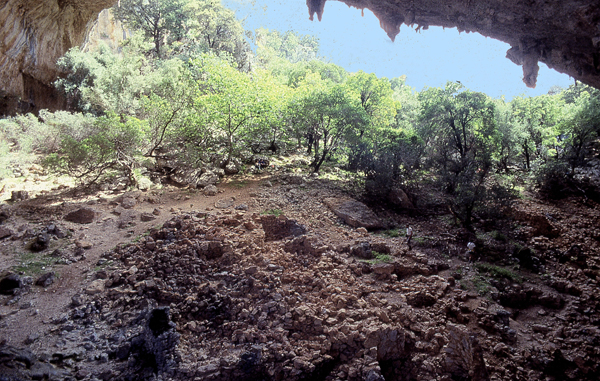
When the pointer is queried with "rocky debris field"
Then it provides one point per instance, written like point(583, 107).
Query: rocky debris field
point(275, 285)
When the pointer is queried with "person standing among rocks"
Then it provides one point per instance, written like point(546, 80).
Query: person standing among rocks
point(409, 234)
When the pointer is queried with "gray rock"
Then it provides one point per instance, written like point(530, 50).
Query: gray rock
point(210, 190)
point(353, 212)
point(46, 279)
point(242, 207)
point(231, 169)
point(206, 179)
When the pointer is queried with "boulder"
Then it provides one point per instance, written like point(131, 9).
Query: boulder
point(206, 179)
point(231, 169)
point(210, 190)
point(400, 199)
point(353, 212)
point(81, 216)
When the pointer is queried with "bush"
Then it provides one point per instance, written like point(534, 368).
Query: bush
point(108, 143)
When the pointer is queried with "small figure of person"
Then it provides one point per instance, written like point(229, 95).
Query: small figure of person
point(409, 234)
point(470, 251)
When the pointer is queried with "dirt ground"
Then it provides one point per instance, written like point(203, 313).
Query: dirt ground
point(530, 296)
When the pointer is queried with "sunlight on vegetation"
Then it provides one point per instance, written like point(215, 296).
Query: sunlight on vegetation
point(498, 272)
point(274, 212)
point(193, 90)
point(33, 263)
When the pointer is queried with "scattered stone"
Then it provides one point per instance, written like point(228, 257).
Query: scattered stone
point(146, 217)
point(156, 212)
point(46, 279)
point(86, 245)
point(242, 207)
point(354, 213)
point(81, 216)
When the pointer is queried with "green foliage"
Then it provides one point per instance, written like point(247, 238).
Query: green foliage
point(392, 233)
point(274, 212)
point(109, 143)
point(381, 257)
point(459, 129)
point(157, 19)
point(498, 272)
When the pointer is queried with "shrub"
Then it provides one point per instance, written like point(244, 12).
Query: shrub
point(108, 143)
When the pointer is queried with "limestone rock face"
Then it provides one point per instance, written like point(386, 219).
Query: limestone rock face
point(34, 34)
point(563, 34)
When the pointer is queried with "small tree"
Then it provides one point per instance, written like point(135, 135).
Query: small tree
point(157, 19)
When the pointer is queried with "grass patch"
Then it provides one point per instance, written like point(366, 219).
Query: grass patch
point(273, 212)
point(33, 264)
point(379, 258)
point(392, 233)
point(498, 272)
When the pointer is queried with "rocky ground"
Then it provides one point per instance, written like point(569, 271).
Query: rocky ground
point(263, 281)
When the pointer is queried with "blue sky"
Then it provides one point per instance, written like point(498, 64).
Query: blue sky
point(429, 58)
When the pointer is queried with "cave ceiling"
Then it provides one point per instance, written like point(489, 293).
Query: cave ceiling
point(563, 34)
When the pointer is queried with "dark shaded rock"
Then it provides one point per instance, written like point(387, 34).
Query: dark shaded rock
point(154, 351)
point(3, 216)
point(281, 227)
point(46, 279)
point(420, 299)
point(10, 284)
point(362, 250)
point(354, 213)
point(400, 199)
point(81, 216)
point(40, 243)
